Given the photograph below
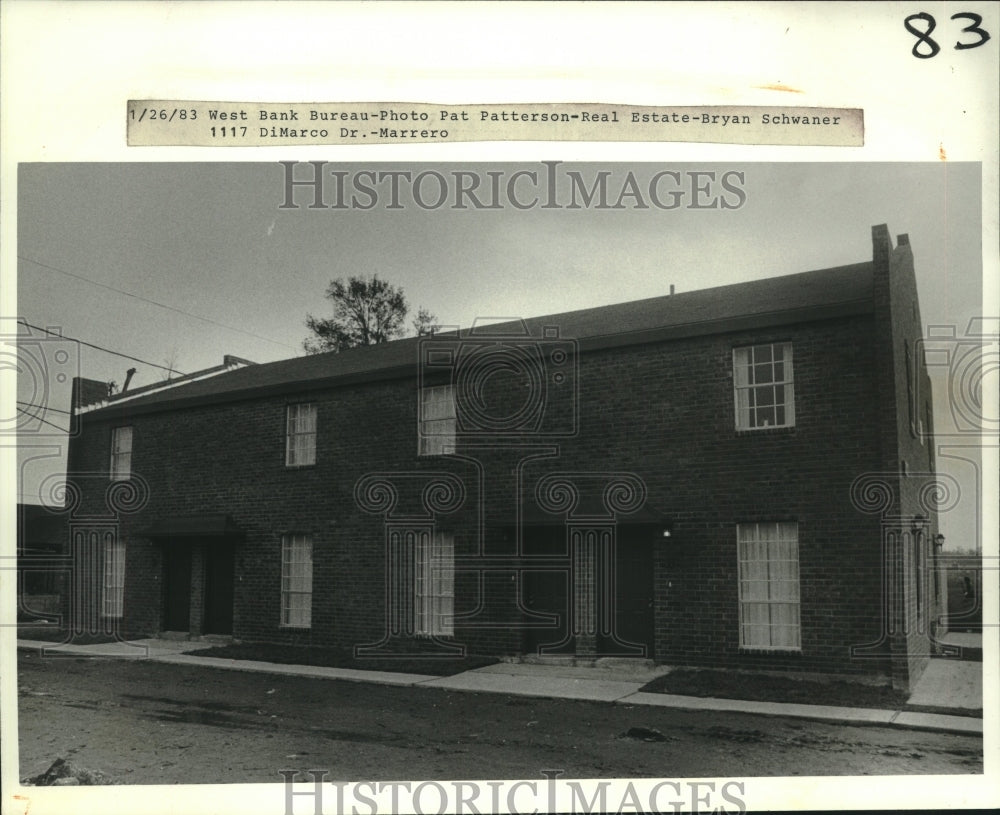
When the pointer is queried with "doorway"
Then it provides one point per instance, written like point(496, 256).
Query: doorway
point(218, 589)
point(177, 588)
point(633, 601)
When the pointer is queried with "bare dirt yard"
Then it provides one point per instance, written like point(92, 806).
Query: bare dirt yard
point(143, 722)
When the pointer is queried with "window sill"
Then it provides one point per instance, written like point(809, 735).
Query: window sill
point(767, 431)
point(287, 627)
point(770, 650)
point(299, 466)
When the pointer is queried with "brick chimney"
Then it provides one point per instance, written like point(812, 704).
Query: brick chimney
point(87, 391)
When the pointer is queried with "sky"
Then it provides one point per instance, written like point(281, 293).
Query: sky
point(230, 272)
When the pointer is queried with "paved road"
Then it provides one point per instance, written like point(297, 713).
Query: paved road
point(153, 723)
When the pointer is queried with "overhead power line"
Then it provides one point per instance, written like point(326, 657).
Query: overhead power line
point(43, 421)
point(45, 407)
point(101, 348)
point(154, 302)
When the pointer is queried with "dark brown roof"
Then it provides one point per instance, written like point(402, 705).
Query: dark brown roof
point(775, 300)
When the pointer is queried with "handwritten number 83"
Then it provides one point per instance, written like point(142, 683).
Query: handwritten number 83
point(932, 48)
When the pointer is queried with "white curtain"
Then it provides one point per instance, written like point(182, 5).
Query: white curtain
point(769, 585)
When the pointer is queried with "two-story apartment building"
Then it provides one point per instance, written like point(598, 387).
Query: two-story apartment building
point(740, 476)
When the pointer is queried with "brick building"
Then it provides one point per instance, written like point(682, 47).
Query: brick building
point(739, 476)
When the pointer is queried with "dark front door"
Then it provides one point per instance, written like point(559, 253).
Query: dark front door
point(218, 589)
point(633, 602)
point(545, 592)
point(177, 588)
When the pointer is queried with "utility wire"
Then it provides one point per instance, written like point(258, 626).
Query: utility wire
point(154, 302)
point(101, 348)
point(45, 407)
point(39, 418)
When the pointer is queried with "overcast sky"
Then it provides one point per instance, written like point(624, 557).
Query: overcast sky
point(210, 240)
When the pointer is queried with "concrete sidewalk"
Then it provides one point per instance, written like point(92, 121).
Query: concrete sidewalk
point(950, 683)
point(618, 684)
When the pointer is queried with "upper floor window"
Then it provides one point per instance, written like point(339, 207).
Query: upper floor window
point(300, 446)
point(437, 420)
point(763, 385)
point(908, 362)
point(121, 453)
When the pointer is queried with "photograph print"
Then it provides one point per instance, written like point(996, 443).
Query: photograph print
point(538, 470)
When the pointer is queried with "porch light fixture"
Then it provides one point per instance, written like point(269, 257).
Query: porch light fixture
point(666, 533)
point(938, 543)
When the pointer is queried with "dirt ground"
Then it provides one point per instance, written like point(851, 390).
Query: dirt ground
point(144, 722)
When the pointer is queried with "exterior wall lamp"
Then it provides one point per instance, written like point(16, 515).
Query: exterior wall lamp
point(938, 543)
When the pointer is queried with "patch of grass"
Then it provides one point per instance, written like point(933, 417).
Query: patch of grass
point(975, 713)
point(344, 658)
point(706, 682)
point(55, 634)
point(768, 688)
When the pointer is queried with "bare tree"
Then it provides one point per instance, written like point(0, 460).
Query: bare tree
point(424, 323)
point(171, 365)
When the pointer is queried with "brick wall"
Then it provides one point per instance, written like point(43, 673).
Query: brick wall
point(663, 411)
point(907, 456)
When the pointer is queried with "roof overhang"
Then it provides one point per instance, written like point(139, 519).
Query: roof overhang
point(214, 526)
point(592, 512)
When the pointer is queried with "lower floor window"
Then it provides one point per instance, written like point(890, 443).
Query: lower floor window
point(434, 588)
point(296, 581)
point(113, 598)
point(769, 586)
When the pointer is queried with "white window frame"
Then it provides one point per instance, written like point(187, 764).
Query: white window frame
point(769, 590)
point(300, 434)
point(121, 453)
point(434, 585)
point(296, 581)
point(753, 375)
point(437, 420)
point(113, 584)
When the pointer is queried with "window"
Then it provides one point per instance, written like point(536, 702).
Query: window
point(296, 581)
point(434, 589)
point(764, 391)
point(113, 598)
point(929, 430)
point(437, 420)
point(121, 453)
point(300, 447)
point(909, 388)
point(769, 586)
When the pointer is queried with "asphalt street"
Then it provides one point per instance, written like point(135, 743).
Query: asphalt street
point(143, 722)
